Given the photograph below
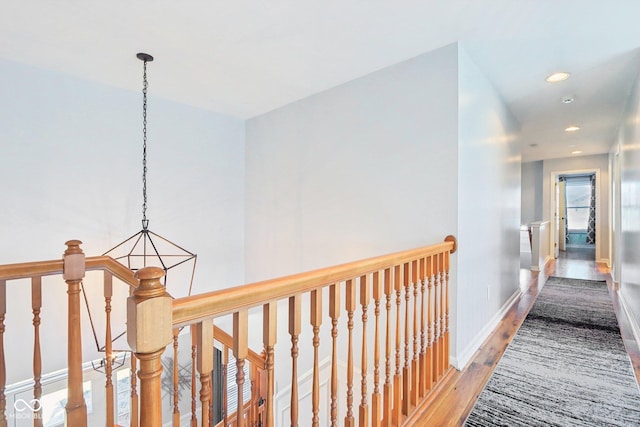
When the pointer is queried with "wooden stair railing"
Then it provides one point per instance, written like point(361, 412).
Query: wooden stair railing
point(72, 270)
point(407, 291)
point(415, 330)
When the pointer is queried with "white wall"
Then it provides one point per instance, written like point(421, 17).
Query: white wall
point(71, 167)
point(393, 160)
point(488, 208)
point(531, 192)
point(582, 163)
point(363, 169)
point(629, 166)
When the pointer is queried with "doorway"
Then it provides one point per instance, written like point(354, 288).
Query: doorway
point(576, 220)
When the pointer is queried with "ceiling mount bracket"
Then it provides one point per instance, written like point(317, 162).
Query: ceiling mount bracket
point(144, 57)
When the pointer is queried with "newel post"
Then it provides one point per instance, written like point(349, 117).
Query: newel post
point(149, 331)
point(73, 273)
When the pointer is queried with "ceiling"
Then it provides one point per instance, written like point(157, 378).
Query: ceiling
point(247, 57)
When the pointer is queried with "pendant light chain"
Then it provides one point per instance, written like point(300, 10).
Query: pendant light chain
point(146, 245)
point(145, 85)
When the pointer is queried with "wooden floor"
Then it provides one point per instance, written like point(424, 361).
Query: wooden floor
point(452, 405)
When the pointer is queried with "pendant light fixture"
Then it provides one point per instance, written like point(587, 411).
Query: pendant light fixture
point(146, 248)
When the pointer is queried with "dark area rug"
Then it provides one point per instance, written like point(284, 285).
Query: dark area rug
point(566, 366)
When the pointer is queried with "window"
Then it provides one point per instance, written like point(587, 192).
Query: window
point(578, 191)
point(53, 405)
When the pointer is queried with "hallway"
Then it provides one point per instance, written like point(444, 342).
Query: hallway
point(452, 405)
point(578, 262)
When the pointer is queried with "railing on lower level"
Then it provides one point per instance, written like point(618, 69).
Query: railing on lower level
point(379, 366)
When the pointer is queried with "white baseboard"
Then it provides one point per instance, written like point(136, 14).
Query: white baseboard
point(461, 361)
point(635, 328)
point(542, 267)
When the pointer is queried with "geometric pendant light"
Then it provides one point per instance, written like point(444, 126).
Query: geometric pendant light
point(147, 248)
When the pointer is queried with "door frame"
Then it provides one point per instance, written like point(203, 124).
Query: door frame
point(615, 206)
point(553, 241)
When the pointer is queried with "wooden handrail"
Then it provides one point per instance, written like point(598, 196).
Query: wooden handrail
point(49, 268)
point(114, 267)
point(218, 303)
point(30, 269)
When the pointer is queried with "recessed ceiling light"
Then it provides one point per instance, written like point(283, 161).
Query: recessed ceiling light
point(568, 99)
point(576, 152)
point(572, 129)
point(558, 77)
point(573, 145)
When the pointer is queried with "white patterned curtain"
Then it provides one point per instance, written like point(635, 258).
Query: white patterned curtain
point(591, 227)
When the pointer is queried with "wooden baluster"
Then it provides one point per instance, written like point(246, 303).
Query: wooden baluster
point(446, 309)
point(441, 319)
point(36, 305)
point(428, 373)
point(176, 379)
point(334, 314)
point(108, 349)
point(387, 389)
point(350, 307)
point(149, 331)
point(261, 374)
point(295, 326)
point(406, 370)
point(443, 291)
point(252, 407)
point(204, 332)
point(225, 391)
point(415, 368)
point(194, 385)
point(375, 397)
point(316, 321)
point(260, 380)
point(397, 379)
point(3, 368)
point(365, 296)
point(423, 341)
point(261, 397)
point(74, 270)
point(135, 411)
point(447, 267)
point(436, 308)
point(270, 327)
point(240, 352)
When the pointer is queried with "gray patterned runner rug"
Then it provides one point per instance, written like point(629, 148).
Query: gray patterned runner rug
point(566, 366)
